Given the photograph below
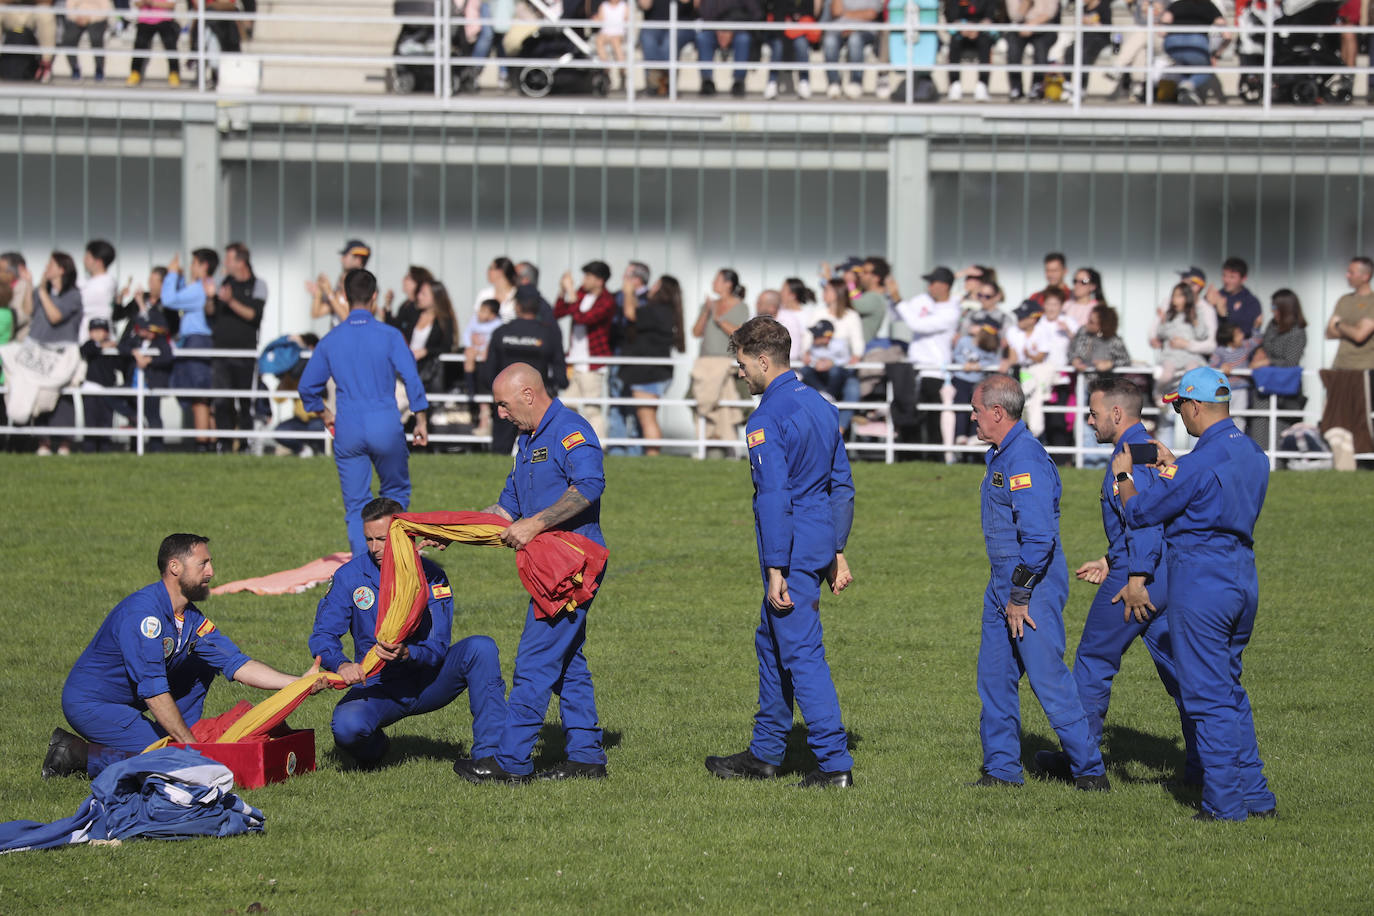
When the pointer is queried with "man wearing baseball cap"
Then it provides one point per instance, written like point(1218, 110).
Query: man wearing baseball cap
point(1208, 502)
point(330, 299)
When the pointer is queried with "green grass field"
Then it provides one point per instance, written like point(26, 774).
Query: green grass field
point(671, 650)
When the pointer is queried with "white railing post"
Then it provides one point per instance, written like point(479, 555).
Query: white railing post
point(1149, 54)
point(200, 79)
point(1268, 61)
point(439, 48)
point(447, 49)
point(138, 416)
point(631, 33)
point(1079, 448)
point(672, 51)
point(1273, 445)
point(1080, 84)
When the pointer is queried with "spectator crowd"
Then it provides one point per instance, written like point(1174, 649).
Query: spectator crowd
point(610, 347)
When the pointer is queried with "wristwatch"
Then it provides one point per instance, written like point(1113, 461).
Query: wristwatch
point(1124, 475)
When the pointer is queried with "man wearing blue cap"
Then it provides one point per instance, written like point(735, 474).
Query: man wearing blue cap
point(364, 356)
point(1208, 502)
point(1023, 624)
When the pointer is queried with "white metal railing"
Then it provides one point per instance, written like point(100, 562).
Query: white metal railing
point(443, 61)
point(887, 446)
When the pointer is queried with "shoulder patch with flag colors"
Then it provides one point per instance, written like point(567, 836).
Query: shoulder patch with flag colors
point(205, 628)
point(441, 591)
point(755, 438)
point(1020, 481)
point(573, 440)
point(1167, 473)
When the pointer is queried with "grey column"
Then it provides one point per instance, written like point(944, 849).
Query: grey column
point(908, 206)
point(200, 186)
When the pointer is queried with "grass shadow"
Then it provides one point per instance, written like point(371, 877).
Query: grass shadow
point(1127, 745)
point(549, 747)
point(798, 758)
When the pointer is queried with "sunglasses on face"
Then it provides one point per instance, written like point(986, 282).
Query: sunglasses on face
point(1178, 404)
point(987, 297)
point(1082, 281)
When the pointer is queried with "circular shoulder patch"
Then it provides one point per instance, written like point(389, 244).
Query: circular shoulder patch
point(150, 627)
point(364, 597)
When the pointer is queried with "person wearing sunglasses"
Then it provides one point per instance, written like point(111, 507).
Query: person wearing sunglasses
point(1208, 502)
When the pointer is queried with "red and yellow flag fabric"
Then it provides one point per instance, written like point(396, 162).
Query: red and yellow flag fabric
point(559, 569)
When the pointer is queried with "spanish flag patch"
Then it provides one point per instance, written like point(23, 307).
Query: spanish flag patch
point(755, 438)
point(573, 440)
point(1168, 472)
point(1020, 481)
point(205, 628)
point(441, 591)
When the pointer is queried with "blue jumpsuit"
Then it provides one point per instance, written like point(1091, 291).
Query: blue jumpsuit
point(140, 652)
point(562, 452)
point(1106, 634)
point(430, 679)
point(1208, 503)
point(364, 356)
point(803, 510)
point(1020, 495)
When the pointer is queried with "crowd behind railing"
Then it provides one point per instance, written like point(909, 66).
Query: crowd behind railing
point(900, 367)
point(1299, 51)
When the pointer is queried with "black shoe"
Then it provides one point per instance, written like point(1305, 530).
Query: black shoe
point(737, 90)
point(986, 781)
point(66, 755)
point(1054, 765)
point(1093, 783)
point(1270, 814)
point(743, 765)
point(1187, 95)
point(819, 779)
point(486, 769)
point(572, 769)
point(708, 87)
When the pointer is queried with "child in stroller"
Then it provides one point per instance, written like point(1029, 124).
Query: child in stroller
point(1306, 49)
point(559, 45)
point(416, 40)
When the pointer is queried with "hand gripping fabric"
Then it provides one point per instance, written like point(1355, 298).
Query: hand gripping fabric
point(559, 569)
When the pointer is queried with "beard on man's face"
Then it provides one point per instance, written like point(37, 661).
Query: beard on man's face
point(195, 591)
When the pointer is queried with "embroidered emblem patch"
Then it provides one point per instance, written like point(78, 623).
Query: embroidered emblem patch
point(441, 591)
point(755, 438)
point(150, 627)
point(364, 597)
point(1116, 488)
point(168, 646)
point(573, 440)
point(538, 455)
point(1020, 481)
point(997, 479)
point(205, 629)
point(291, 763)
point(1168, 472)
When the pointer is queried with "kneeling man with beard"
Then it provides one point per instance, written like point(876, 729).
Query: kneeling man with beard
point(155, 653)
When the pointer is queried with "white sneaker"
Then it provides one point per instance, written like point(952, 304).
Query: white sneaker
point(307, 452)
point(956, 91)
point(803, 89)
point(883, 88)
point(980, 91)
point(43, 451)
point(770, 91)
point(833, 91)
point(853, 90)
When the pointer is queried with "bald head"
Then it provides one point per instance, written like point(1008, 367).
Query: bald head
point(768, 303)
point(520, 396)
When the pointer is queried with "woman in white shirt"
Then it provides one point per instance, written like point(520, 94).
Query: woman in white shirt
point(500, 286)
point(98, 289)
point(1047, 356)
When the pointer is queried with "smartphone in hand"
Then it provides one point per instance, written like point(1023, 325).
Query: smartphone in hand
point(1144, 453)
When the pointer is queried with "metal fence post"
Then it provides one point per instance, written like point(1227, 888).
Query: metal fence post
point(1268, 62)
point(138, 415)
point(672, 51)
point(1080, 84)
point(631, 32)
point(438, 48)
point(1149, 55)
point(200, 82)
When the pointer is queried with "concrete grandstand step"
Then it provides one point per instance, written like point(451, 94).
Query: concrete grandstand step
point(330, 39)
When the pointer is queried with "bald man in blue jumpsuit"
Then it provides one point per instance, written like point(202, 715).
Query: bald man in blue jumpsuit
point(1208, 502)
point(556, 483)
point(1023, 624)
point(1132, 579)
point(365, 356)
point(803, 510)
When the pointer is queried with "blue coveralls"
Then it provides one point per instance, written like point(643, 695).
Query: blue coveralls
point(803, 510)
point(139, 652)
point(430, 679)
point(1020, 495)
point(364, 356)
point(1106, 634)
point(562, 452)
point(1208, 503)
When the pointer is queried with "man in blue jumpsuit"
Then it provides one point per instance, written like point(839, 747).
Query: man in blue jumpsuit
point(1023, 624)
point(364, 356)
point(556, 483)
point(1208, 502)
point(423, 674)
point(157, 653)
point(1132, 580)
point(803, 510)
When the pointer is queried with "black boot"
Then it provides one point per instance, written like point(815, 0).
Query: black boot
point(819, 779)
point(486, 769)
point(743, 765)
point(66, 755)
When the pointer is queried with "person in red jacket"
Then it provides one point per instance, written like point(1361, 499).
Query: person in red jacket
point(592, 309)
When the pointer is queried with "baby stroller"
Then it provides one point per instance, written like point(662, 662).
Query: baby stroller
point(1306, 49)
point(416, 40)
point(559, 46)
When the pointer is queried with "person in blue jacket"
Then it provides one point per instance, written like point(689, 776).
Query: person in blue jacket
point(803, 510)
point(556, 483)
point(155, 653)
point(422, 674)
point(1208, 502)
point(1023, 624)
point(364, 356)
point(1132, 581)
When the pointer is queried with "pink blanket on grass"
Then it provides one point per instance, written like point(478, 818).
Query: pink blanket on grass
point(290, 581)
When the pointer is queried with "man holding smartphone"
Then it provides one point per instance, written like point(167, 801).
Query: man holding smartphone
point(1132, 579)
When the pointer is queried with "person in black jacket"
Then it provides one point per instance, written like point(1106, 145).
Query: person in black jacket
point(430, 331)
point(1095, 13)
point(962, 43)
point(524, 340)
point(147, 363)
point(740, 42)
point(654, 329)
point(101, 370)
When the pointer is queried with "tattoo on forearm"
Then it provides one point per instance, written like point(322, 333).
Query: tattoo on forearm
point(568, 505)
point(496, 509)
